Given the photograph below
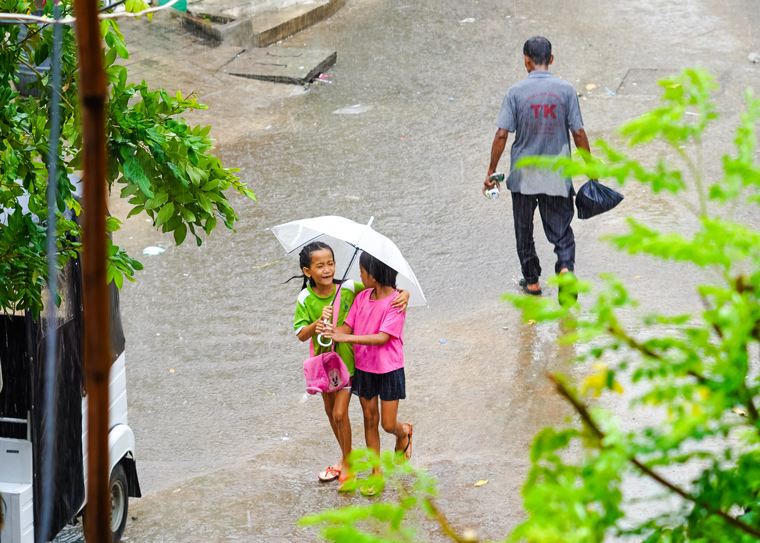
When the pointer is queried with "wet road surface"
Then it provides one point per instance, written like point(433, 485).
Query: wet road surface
point(226, 447)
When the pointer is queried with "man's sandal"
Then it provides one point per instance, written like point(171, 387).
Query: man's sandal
point(330, 474)
point(407, 452)
point(526, 290)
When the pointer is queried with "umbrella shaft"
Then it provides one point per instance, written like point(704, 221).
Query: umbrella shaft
point(351, 263)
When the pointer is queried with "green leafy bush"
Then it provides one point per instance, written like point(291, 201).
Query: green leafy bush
point(699, 372)
point(164, 167)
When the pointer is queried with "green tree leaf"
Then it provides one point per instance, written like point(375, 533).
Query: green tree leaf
point(133, 172)
point(165, 214)
point(179, 234)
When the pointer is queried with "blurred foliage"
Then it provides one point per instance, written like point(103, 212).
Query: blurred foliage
point(696, 376)
point(162, 166)
point(381, 520)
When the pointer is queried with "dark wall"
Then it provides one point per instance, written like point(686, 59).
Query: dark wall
point(15, 397)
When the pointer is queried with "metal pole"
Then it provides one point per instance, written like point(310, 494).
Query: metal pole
point(51, 355)
point(97, 355)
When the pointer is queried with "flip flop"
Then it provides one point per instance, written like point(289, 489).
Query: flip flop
point(342, 480)
point(330, 474)
point(370, 491)
point(407, 452)
point(526, 290)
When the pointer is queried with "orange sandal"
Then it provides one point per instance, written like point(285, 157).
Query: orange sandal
point(342, 480)
point(330, 474)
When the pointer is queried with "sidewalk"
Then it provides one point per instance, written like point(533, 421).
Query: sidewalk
point(165, 55)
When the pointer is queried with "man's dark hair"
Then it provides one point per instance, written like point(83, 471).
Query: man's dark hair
point(539, 50)
point(383, 274)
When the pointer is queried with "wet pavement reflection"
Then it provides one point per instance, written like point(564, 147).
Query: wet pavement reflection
point(227, 448)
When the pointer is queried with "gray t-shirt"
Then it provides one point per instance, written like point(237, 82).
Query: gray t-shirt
point(541, 111)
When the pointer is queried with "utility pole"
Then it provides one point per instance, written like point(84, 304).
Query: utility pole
point(97, 345)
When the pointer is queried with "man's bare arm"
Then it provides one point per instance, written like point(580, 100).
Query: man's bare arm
point(497, 149)
point(581, 141)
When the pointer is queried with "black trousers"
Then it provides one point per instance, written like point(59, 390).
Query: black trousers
point(556, 214)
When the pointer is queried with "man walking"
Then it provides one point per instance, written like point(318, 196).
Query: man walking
point(541, 111)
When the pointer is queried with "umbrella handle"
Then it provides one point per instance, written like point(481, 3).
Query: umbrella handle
point(319, 339)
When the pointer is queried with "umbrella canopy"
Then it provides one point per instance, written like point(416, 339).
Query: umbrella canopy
point(345, 237)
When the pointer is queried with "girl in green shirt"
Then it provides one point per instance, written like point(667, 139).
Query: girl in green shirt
point(317, 262)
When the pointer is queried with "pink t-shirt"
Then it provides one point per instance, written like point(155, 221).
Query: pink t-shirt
point(367, 317)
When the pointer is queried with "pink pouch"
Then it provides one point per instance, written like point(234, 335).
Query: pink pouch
point(326, 372)
point(316, 376)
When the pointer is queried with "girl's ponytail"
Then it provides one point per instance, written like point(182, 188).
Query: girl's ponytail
point(302, 276)
point(304, 260)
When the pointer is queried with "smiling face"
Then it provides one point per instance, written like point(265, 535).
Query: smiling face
point(322, 268)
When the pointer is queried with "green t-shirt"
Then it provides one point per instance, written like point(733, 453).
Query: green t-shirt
point(309, 308)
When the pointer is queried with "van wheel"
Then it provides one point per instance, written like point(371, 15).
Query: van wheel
point(119, 502)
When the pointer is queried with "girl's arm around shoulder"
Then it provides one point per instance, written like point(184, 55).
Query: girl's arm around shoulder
point(393, 323)
point(401, 301)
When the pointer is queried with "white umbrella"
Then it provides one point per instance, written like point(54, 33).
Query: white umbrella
point(346, 238)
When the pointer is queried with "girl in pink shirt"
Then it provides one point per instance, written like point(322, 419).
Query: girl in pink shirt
point(376, 331)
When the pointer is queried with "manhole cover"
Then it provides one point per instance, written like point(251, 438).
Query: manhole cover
point(644, 81)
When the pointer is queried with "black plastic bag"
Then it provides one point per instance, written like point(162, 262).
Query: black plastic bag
point(594, 198)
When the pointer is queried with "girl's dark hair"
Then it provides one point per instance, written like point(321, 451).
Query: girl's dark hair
point(304, 260)
point(381, 272)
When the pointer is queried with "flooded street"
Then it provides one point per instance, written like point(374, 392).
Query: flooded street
point(227, 447)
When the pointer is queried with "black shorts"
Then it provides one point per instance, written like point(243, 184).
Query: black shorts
point(389, 386)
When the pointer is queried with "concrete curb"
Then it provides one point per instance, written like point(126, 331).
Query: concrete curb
point(262, 30)
point(280, 64)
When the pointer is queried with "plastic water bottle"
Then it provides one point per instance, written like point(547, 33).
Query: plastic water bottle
point(493, 194)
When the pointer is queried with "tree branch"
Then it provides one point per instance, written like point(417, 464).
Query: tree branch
point(754, 416)
point(444, 523)
point(582, 410)
point(30, 35)
point(695, 172)
point(25, 63)
point(437, 514)
point(698, 179)
point(632, 343)
point(708, 307)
